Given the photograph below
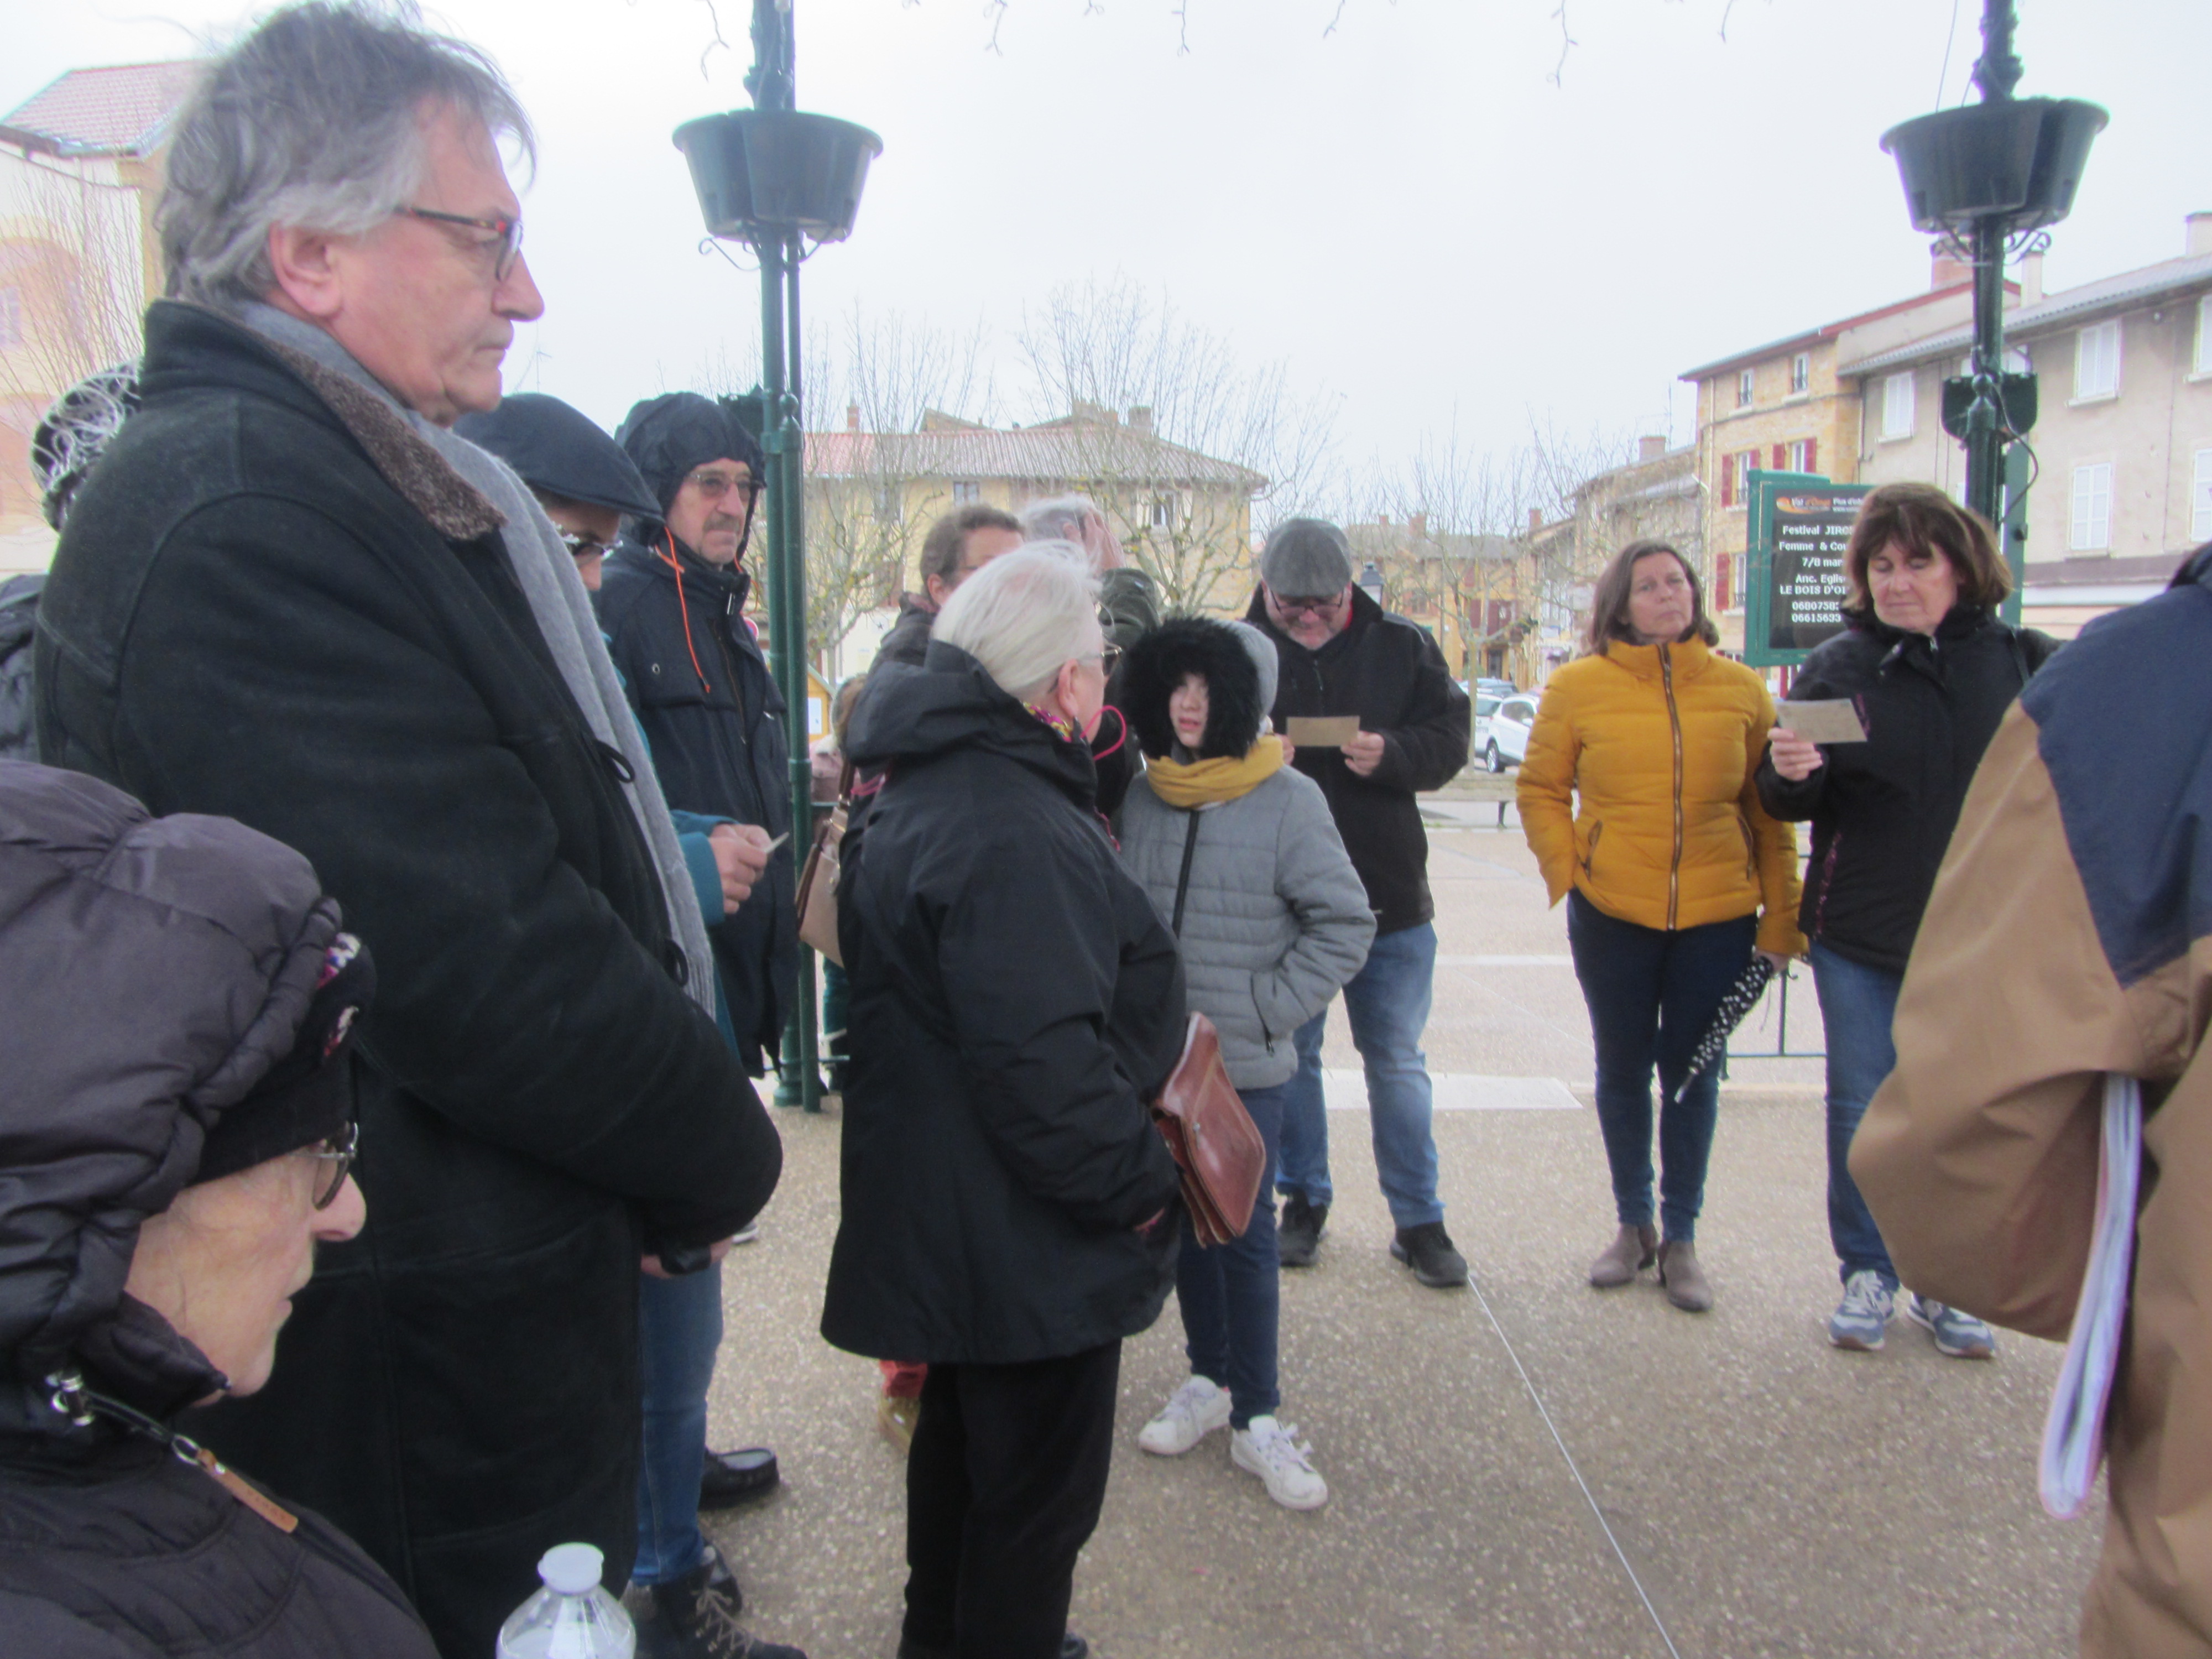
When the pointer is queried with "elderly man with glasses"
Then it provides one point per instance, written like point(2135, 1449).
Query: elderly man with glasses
point(289, 593)
point(1342, 655)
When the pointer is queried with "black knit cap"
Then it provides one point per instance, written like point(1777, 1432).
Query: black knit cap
point(558, 450)
point(308, 1096)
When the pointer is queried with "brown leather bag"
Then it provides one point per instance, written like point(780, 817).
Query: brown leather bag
point(818, 882)
point(1217, 1147)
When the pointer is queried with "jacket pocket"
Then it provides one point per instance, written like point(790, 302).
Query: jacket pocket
point(1590, 849)
point(1750, 848)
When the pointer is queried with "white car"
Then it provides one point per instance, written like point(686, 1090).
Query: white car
point(1504, 739)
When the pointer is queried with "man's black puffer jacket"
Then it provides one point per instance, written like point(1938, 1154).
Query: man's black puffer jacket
point(1883, 811)
point(1021, 1000)
point(1389, 672)
point(713, 719)
point(157, 968)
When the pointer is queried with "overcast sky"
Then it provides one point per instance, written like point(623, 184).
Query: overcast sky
point(1407, 210)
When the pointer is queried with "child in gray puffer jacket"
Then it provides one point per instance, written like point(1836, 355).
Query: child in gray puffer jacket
point(1241, 858)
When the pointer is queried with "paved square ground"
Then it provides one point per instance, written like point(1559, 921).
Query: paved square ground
point(1530, 1468)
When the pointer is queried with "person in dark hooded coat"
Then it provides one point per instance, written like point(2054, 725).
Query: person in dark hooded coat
point(176, 1129)
point(671, 603)
point(1008, 1212)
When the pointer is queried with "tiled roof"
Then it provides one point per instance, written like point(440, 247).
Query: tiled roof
point(120, 111)
point(1826, 332)
point(2130, 287)
point(1057, 454)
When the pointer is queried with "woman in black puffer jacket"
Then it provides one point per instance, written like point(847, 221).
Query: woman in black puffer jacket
point(175, 1131)
point(1931, 670)
point(1009, 1211)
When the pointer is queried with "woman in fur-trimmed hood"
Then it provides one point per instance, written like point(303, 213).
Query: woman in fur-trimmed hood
point(1242, 859)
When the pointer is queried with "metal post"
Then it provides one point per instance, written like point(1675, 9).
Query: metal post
point(770, 83)
point(1996, 73)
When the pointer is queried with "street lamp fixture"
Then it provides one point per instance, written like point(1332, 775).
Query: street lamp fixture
point(1988, 177)
point(769, 174)
point(1371, 582)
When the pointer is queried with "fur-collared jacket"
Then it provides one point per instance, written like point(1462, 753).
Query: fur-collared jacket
point(276, 602)
point(1273, 918)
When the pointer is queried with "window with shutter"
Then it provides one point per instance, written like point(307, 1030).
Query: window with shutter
point(1897, 405)
point(2204, 336)
point(2097, 362)
point(2093, 508)
point(1743, 389)
point(2200, 498)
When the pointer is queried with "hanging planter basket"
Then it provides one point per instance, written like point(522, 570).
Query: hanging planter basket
point(767, 172)
point(2020, 160)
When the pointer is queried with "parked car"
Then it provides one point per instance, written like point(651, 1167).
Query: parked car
point(1500, 688)
point(1506, 742)
point(1485, 705)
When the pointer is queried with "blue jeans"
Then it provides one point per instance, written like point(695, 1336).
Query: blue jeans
point(1229, 1294)
point(1858, 1003)
point(679, 1324)
point(1388, 1003)
point(1652, 993)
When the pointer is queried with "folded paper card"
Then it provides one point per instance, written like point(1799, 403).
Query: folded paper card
point(1322, 730)
point(1827, 719)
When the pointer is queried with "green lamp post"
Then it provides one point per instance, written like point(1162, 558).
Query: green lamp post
point(776, 180)
point(1988, 177)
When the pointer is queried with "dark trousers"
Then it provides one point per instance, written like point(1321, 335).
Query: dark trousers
point(1231, 1294)
point(1652, 993)
point(1003, 1487)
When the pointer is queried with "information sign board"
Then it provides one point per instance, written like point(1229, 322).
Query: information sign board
point(1801, 525)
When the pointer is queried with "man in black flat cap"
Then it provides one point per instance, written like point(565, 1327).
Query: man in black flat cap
point(681, 1587)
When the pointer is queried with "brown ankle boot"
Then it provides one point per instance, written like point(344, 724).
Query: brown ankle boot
point(1627, 1255)
point(1687, 1287)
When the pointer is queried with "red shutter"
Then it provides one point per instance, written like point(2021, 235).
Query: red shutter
point(1812, 454)
point(1781, 458)
point(1727, 481)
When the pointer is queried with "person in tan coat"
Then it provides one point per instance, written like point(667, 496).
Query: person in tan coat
point(2069, 934)
point(1673, 872)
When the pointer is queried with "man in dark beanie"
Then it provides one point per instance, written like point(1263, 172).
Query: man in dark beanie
point(672, 607)
point(1342, 654)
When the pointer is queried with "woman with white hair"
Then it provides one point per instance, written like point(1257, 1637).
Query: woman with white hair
point(1009, 1212)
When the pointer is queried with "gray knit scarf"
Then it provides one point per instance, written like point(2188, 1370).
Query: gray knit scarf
point(563, 610)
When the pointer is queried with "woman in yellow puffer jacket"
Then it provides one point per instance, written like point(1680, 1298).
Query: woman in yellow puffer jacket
point(1673, 872)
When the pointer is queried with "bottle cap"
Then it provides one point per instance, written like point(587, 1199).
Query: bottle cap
point(571, 1569)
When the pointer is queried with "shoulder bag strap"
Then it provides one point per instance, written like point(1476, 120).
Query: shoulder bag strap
point(1183, 881)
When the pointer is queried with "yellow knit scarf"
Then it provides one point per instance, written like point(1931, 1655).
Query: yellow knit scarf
point(1200, 783)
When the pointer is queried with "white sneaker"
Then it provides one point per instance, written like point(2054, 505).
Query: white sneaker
point(1199, 1408)
point(1272, 1451)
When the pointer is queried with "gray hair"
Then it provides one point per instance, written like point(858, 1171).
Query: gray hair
point(1024, 614)
point(313, 119)
point(1061, 519)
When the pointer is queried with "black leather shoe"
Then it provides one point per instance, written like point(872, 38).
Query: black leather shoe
point(1073, 1646)
point(732, 1477)
point(1427, 1250)
point(1298, 1235)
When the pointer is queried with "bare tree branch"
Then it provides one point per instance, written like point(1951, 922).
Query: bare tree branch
point(1566, 45)
point(1334, 20)
point(715, 19)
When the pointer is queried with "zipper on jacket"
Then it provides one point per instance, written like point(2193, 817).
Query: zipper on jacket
point(1674, 723)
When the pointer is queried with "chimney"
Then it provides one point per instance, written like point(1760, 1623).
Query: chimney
point(851, 417)
point(1419, 524)
point(2031, 278)
point(1946, 269)
point(1535, 520)
point(1650, 448)
point(1140, 418)
point(2200, 233)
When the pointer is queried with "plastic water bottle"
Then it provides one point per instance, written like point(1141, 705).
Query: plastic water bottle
point(573, 1617)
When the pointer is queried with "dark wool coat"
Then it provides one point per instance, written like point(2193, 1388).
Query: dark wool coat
point(309, 623)
point(1020, 1000)
point(156, 971)
point(1389, 672)
point(1883, 810)
point(713, 719)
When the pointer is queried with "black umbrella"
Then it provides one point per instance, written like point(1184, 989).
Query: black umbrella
point(1750, 985)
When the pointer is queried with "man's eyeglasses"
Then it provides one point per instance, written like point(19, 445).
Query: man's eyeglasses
point(1322, 607)
point(716, 485)
point(508, 230)
point(583, 546)
point(339, 1153)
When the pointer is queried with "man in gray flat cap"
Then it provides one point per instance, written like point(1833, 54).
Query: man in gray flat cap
point(1342, 654)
